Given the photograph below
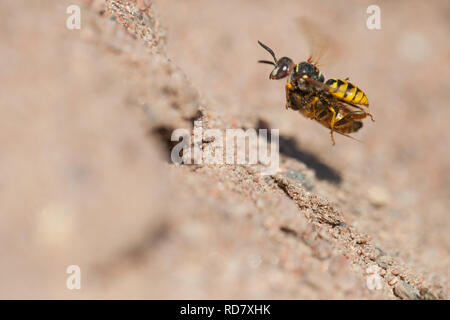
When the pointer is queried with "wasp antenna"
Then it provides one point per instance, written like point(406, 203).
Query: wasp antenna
point(268, 49)
point(267, 62)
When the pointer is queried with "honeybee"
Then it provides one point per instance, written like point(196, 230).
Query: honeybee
point(336, 103)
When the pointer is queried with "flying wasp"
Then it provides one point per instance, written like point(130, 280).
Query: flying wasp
point(336, 103)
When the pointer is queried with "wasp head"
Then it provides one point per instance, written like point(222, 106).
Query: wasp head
point(283, 66)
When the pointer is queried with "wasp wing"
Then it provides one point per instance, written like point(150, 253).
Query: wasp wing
point(319, 42)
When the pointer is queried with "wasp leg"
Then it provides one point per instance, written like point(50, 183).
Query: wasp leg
point(361, 115)
point(348, 119)
point(313, 103)
point(360, 108)
point(289, 87)
point(333, 118)
point(356, 115)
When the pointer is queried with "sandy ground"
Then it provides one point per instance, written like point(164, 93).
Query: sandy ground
point(85, 176)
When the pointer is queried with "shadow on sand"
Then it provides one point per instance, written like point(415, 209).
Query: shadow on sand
point(290, 148)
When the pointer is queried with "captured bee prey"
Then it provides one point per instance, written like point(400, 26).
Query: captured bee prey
point(335, 103)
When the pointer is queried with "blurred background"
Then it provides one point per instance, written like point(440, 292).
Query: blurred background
point(84, 178)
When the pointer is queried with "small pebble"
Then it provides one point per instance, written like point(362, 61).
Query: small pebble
point(405, 291)
point(393, 281)
point(385, 260)
point(388, 277)
point(383, 265)
point(426, 294)
point(373, 269)
point(297, 175)
point(378, 196)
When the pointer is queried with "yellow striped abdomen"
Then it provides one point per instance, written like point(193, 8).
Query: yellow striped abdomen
point(347, 91)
